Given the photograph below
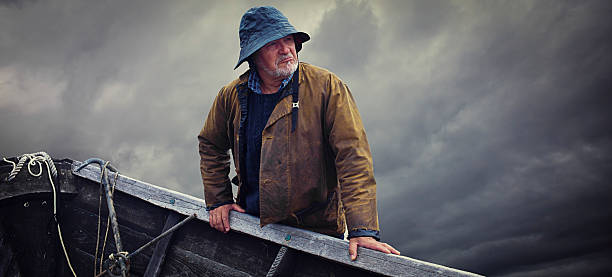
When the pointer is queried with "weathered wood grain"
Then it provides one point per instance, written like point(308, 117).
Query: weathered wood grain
point(244, 253)
point(140, 222)
point(36, 233)
point(154, 267)
point(9, 266)
point(182, 262)
point(26, 184)
point(309, 242)
point(83, 239)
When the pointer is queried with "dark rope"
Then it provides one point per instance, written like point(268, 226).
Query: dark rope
point(105, 181)
point(162, 235)
point(279, 257)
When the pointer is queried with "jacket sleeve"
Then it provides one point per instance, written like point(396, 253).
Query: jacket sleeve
point(214, 145)
point(353, 160)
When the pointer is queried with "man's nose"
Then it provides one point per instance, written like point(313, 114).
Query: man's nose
point(285, 48)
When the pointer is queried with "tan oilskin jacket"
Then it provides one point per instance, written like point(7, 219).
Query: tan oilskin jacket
point(314, 178)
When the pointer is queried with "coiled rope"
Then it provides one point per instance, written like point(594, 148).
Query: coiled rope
point(39, 158)
point(35, 159)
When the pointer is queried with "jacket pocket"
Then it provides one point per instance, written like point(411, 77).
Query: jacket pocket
point(320, 216)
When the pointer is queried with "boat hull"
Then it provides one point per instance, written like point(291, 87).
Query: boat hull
point(31, 247)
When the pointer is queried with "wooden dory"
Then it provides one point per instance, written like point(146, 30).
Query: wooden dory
point(29, 244)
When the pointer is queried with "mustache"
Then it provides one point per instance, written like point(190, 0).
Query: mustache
point(279, 59)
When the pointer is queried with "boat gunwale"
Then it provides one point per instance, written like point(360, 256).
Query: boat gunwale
point(299, 239)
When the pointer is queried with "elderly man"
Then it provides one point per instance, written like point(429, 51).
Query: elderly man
point(300, 150)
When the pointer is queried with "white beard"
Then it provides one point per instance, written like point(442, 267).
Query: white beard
point(287, 70)
point(284, 71)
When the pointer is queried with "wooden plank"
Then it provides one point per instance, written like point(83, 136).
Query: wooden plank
point(80, 238)
point(29, 228)
point(183, 263)
point(236, 250)
point(155, 264)
point(131, 211)
point(8, 259)
point(310, 242)
point(25, 184)
point(196, 237)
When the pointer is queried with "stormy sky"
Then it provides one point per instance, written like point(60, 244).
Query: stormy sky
point(490, 122)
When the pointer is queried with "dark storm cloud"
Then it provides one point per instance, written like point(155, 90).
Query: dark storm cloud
point(97, 79)
point(345, 50)
point(490, 141)
point(488, 121)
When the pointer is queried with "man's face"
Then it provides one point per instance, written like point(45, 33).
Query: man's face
point(277, 58)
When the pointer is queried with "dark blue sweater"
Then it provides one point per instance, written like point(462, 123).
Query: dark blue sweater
point(260, 108)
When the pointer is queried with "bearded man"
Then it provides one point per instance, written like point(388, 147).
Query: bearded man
point(301, 153)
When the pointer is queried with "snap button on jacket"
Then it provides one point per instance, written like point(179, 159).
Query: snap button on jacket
point(325, 160)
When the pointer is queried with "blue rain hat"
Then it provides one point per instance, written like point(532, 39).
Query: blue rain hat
point(260, 25)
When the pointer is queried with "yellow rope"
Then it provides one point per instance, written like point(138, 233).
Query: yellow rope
point(98, 229)
point(37, 159)
point(59, 230)
point(107, 220)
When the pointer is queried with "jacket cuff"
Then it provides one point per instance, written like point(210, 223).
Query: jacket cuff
point(212, 207)
point(364, 233)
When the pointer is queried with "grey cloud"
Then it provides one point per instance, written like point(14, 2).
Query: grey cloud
point(346, 39)
point(126, 71)
point(481, 124)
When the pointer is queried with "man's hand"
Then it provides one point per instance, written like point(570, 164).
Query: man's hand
point(219, 217)
point(369, 242)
